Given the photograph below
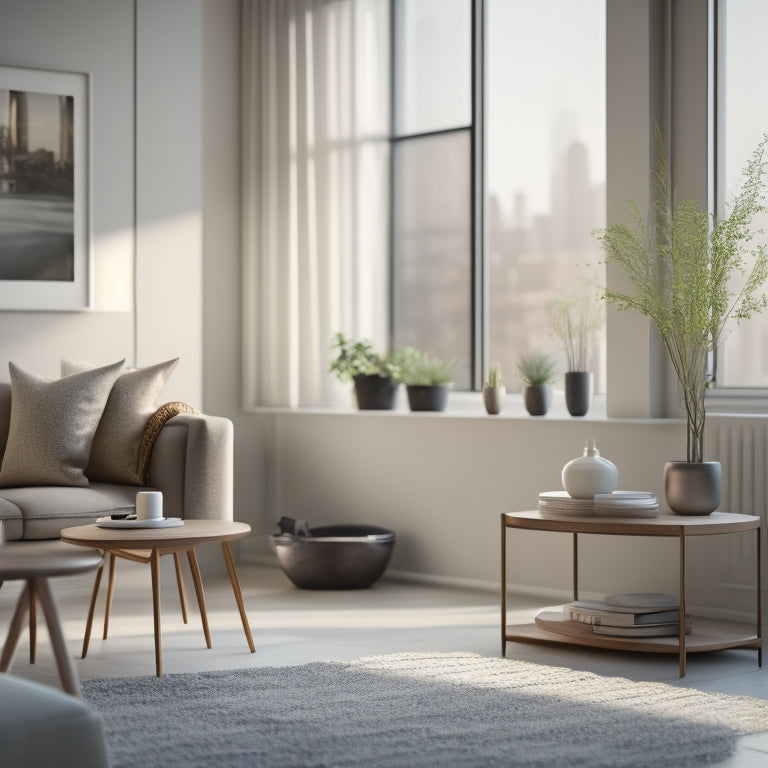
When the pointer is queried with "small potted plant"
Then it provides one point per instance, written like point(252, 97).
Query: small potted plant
point(427, 378)
point(494, 390)
point(575, 319)
point(537, 372)
point(376, 377)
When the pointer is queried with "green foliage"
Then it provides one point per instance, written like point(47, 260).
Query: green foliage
point(494, 379)
point(357, 358)
point(691, 278)
point(424, 368)
point(575, 319)
point(536, 369)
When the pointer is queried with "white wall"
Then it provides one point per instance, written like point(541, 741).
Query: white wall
point(146, 185)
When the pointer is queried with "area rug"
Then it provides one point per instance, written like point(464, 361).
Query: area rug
point(420, 710)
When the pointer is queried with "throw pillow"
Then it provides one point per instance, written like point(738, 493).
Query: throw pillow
point(53, 424)
point(133, 400)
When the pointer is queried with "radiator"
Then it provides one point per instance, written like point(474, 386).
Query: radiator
point(740, 444)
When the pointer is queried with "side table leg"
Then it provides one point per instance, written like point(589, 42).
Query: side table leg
point(682, 603)
point(32, 623)
point(503, 586)
point(759, 601)
point(575, 566)
point(91, 610)
point(155, 563)
point(14, 630)
point(238, 593)
point(180, 582)
point(110, 592)
point(67, 671)
point(195, 568)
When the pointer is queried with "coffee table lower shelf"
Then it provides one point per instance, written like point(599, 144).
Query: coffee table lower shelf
point(707, 635)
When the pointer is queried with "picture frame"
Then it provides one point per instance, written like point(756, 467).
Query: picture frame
point(45, 189)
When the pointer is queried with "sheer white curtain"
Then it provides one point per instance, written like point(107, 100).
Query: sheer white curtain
point(315, 191)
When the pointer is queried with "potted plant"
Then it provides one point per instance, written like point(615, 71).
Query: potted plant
point(537, 372)
point(494, 390)
point(427, 378)
point(575, 319)
point(684, 268)
point(375, 377)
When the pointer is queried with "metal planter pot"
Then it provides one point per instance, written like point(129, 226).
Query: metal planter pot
point(693, 488)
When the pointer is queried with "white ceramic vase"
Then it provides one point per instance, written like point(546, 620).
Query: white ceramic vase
point(590, 474)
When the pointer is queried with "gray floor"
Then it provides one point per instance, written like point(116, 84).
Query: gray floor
point(292, 626)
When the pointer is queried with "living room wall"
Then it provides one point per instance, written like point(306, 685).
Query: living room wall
point(144, 59)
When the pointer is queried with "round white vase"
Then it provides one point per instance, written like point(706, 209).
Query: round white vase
point(590, 474)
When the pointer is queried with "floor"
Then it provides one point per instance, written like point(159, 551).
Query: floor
point(292, 626)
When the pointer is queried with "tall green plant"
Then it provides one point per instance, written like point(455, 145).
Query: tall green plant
point(575, 319)
point(692, 273)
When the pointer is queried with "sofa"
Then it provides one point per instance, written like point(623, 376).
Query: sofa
point(189, 456)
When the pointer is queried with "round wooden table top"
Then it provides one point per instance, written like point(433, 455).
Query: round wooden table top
point(31, 559)
point(192, 533)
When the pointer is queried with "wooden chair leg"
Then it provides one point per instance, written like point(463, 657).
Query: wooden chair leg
point(32, 623)
point(180, 582)
point(91, 609)
point(238, 593)
point(110, 592)
point(67, 671)
point(195, 568)
point(14, 630)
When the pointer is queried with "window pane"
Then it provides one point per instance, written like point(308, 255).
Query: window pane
point(545, 169)
point(432, 65)
point(431, 232)
point(743, 117)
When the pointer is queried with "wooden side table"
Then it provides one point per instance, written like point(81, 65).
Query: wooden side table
point(129, 543)
point(36, 562)
point(707, 635)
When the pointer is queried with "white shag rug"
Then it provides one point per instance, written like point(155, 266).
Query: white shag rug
point(419, 710)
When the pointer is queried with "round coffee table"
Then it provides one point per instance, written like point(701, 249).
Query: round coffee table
point(129, 543)
point(36, 562)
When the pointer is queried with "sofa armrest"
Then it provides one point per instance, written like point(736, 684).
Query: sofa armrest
point(192, 464)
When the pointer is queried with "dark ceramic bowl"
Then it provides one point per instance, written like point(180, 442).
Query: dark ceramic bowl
point(335, 556)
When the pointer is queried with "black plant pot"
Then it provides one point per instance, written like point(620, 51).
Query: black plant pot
point(374, 392)
point(578, 392)
point(427, 398)
point(537, 399)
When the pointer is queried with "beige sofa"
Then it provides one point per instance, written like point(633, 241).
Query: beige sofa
point(191, 463)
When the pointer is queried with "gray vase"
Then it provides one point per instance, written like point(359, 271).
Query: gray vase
point(693, 488)
point(578, 392)
point(493, 398)
point(537, 399)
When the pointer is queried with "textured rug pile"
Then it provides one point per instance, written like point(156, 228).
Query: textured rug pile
point(424, 710)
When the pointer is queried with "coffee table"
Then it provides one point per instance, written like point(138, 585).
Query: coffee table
point(130, 542)
point(36, 562)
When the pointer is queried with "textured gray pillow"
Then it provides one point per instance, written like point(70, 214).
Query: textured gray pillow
point(115, 451)
point(53, 424)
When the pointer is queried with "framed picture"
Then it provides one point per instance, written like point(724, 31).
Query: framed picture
point(45, 237)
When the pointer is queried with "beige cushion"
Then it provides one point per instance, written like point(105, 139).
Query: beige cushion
point(53, 424)
point(133, 400)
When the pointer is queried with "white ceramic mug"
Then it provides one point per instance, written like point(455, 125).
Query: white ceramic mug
point(149, 505)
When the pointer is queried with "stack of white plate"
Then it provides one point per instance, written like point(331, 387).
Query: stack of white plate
point(560, 503)
point(616, 504)
point(626, 504)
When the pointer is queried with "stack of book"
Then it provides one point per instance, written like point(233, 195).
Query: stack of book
point(616, 504)
point(630, 615)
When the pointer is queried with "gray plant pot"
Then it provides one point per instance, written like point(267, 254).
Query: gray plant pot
point(537, 399)
point(578, 392)
point(374, 392)
point(493, 399)
point(693, 488)
point(427, 398)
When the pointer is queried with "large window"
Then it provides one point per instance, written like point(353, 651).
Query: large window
point(742, 118)
point(498, 174)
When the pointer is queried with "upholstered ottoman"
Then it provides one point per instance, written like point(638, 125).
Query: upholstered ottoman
point(42, 727)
